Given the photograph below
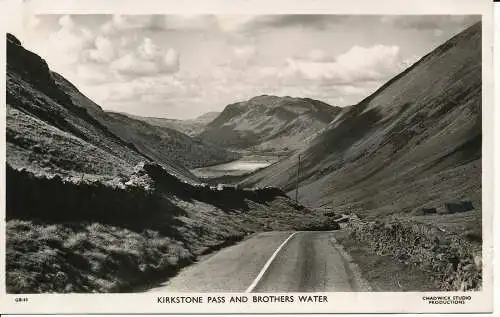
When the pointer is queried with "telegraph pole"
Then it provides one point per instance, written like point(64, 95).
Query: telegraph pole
point(297, 185)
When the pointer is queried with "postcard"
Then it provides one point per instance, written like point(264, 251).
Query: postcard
point(257, 157)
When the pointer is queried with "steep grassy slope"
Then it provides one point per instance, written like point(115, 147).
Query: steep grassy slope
point(47, 132)
point(191, 127)
point(415, 142)
point(164, 144)
point(269, 123)
point(53, 128)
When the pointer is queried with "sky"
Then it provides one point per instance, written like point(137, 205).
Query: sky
point(178, 66)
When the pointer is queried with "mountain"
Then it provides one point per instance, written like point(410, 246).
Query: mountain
point(191, 127)
point(207, 117)
point(269, 123)
point(163, 144)
point(100, 202)
point(413, 143)
point(52, 128)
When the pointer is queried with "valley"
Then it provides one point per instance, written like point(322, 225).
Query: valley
point(103, 201)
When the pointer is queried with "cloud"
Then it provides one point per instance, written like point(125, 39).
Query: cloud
point(240, 23)
point(358, 64)
point(190, 22)
point(243, 56)
point(31, 21)
point(234, 23)
point(261, 23)
point(319, 55)
point(244, 52)
point(103, 52)
point(133, 62)
point(137, 64)
point(66, 22)
point(302, 20)
point(65, 45)
point(90, 74)
point(431, 22)
point(148, 59)
point(126, 53)
point(119, 23)
point(157, 22)
point(438, 32)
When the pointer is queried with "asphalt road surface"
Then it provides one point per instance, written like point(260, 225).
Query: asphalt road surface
point(305, 261)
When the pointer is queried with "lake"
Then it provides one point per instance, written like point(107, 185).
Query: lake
point(244, 165)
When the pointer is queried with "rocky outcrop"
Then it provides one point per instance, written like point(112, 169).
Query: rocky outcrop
point(33, 69)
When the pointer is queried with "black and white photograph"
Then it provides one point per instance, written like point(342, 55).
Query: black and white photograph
point(231, 153)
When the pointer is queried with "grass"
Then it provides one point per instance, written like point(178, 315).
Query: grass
point(91, 237)
point(453, 263)
point(381, 271)
point(86, 258)
point(95, 257)
point(467, 225)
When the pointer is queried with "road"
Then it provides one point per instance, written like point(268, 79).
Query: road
point(304, 261)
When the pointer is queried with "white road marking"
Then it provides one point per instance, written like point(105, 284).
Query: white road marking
point(268, 263)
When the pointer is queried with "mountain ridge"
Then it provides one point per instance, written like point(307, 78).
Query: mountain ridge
point(38, 97)
point(191, 127)
point(261, 123)
point(420, 126)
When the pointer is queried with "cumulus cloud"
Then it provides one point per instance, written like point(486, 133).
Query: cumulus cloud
point(148, 59)
point(119, 23)
point(132, 62)
point(66, 22)
point(67, 42)
point(319, 55)
point(359, 64)
point(103, 52)
point(132, 65)
point(157, 22)
point(125, 52)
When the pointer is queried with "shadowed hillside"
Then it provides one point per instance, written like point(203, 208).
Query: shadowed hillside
point(269, 123)
point(415, 142)
point(191, 127)
point(66, 120)
point(404, 167)
point(164, 144)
